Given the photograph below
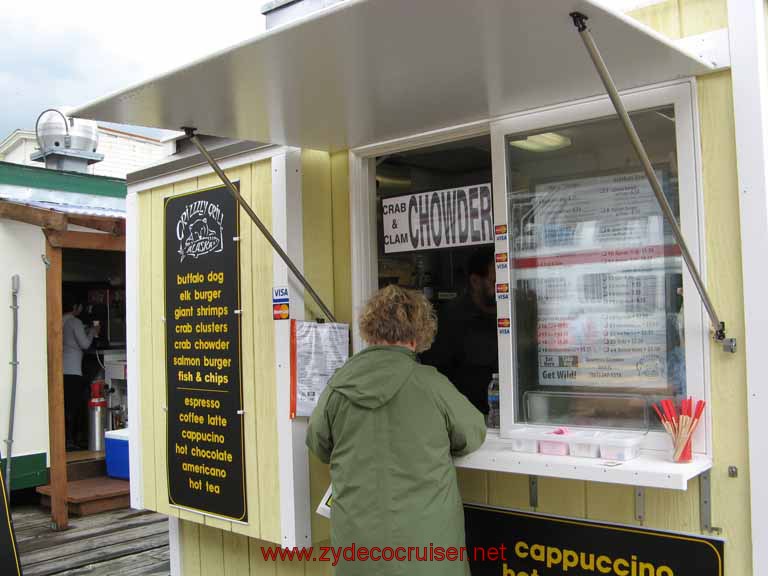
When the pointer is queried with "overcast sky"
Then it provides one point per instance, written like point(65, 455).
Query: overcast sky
point(68, 52)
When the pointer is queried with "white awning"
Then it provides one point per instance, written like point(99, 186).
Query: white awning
point(372, 70)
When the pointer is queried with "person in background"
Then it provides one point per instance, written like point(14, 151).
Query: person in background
point(389, 427)
point(76, 339)
point(466, 348)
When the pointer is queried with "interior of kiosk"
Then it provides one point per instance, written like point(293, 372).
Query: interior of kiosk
point(95, 280)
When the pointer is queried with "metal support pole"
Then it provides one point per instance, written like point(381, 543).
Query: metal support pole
point(14, 378)
point(580, 21)
point(190, 132)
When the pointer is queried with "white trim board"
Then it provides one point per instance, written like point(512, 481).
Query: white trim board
point(133, 358)
point(287, 228)
point(750, 103)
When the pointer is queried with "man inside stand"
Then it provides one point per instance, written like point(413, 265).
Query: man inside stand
point(76, 339)
point(466, 347)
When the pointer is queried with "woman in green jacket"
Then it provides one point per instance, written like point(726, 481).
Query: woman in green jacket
point(389, 428)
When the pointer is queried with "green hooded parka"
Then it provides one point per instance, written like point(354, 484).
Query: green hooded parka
point(389, 427)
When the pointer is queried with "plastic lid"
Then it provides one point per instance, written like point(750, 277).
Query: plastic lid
point(625, 439)
point(121, 434)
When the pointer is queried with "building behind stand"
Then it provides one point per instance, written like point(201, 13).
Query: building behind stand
point(62, 226)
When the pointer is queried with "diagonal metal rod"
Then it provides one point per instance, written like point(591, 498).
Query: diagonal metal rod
point(579, 21)
point(259, 224)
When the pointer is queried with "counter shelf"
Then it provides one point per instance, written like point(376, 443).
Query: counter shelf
point(652, 469)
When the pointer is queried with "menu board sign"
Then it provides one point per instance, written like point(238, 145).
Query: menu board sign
point(439, 219)
point(597, 255)
point(206, 463)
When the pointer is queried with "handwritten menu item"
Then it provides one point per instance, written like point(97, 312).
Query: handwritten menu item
point(206, 463)
point(317, 351)
point(9, 554)
point(597, 254)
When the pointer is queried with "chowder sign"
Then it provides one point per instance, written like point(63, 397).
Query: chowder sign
point(439, 219)
point(199, 229)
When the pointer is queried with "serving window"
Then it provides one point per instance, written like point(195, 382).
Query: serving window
point(593, 316)
point(598, 317)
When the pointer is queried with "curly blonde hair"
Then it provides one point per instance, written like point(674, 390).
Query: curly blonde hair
point(394, 314)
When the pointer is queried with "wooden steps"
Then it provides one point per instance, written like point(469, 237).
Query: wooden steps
point(92, 495)
point(83, 465)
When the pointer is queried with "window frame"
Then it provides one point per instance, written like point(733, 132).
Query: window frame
point(681, 95)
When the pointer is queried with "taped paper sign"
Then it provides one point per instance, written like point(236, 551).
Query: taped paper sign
point(317, 351)
point(440, 219)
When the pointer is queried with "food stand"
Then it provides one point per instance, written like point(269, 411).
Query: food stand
point(332, 96)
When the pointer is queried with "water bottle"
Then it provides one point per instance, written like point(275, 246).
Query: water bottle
point(493, 420)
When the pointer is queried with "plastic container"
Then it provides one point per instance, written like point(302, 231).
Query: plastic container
point(555, 443)
point(116, 453)
point(620, 445)
point(585, 444)
point(524, 440)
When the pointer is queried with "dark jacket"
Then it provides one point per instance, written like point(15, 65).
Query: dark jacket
point(466, 349)
point(389, 428)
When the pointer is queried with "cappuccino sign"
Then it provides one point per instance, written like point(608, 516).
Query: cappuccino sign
point(440, 219)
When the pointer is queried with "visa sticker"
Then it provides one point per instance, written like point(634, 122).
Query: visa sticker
point(280, 295)
point(281, 303)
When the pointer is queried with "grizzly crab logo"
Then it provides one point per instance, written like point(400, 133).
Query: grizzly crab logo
point(199, 229)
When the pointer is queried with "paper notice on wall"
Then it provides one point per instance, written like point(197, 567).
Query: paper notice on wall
point(317, 351)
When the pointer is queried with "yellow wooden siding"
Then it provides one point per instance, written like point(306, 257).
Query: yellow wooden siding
point(146, 353)
point(730, 496)
point(157, 341)
point(261, 399)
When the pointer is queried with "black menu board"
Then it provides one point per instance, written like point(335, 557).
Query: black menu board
point(206, 463)
point(501, 541)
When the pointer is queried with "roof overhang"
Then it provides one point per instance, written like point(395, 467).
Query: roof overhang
point(368, 71)
point(59, 219)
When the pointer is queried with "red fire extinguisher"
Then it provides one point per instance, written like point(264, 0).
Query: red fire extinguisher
point(97, 416)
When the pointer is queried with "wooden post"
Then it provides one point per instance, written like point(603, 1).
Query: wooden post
point(56, 426)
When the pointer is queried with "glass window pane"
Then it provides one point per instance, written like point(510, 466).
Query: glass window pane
point(596, 273)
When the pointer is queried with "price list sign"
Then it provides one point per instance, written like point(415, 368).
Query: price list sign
point(599, 259)
point(206, 463)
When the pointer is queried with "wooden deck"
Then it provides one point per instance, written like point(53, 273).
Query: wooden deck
point(118, 543)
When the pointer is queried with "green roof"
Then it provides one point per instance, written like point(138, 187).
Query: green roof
point(34, 177)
